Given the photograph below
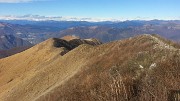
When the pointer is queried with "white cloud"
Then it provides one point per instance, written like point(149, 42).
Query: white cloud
point(17, 1)
point(66, 18)
point(57, 18)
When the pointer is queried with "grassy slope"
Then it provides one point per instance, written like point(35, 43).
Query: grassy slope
point(26, 75)
point(113, 73)
point(105, 72)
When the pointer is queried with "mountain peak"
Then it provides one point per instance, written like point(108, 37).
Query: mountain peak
point(162, 43)
point(70, 37)
point(67, 43)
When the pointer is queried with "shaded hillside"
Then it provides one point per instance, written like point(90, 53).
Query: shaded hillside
point(10, 41)
point(9, 52)
point(138, 68)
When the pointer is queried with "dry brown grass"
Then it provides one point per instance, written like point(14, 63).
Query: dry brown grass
point(107, 75)
point(108, 72)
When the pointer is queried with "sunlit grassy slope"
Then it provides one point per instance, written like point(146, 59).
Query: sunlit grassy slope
point(138, 68)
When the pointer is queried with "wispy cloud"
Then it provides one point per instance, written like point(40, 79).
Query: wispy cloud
point(18, 1)
point(66, 18)
point(57, 18)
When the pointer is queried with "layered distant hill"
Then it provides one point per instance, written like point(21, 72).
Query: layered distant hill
point(9, 45)
point(31, 33)
point(107, 34)
point(103, 33)
point(10, 41)
point(38, 31)
point(23, 31)
point(140, 68)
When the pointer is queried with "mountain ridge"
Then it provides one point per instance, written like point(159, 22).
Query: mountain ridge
point(82, 73)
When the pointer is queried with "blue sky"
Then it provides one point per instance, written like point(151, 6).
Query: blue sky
point(153, 9)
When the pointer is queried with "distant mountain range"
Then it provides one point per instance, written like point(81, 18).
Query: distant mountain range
point(21, 32)
point(106, 33)
point(38, 31)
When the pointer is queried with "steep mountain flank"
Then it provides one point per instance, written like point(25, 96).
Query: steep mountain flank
point(9, 52)
point(138, 68)
point(10, 41)
point(28, 67)
point(17, 47)
point(9, 45)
